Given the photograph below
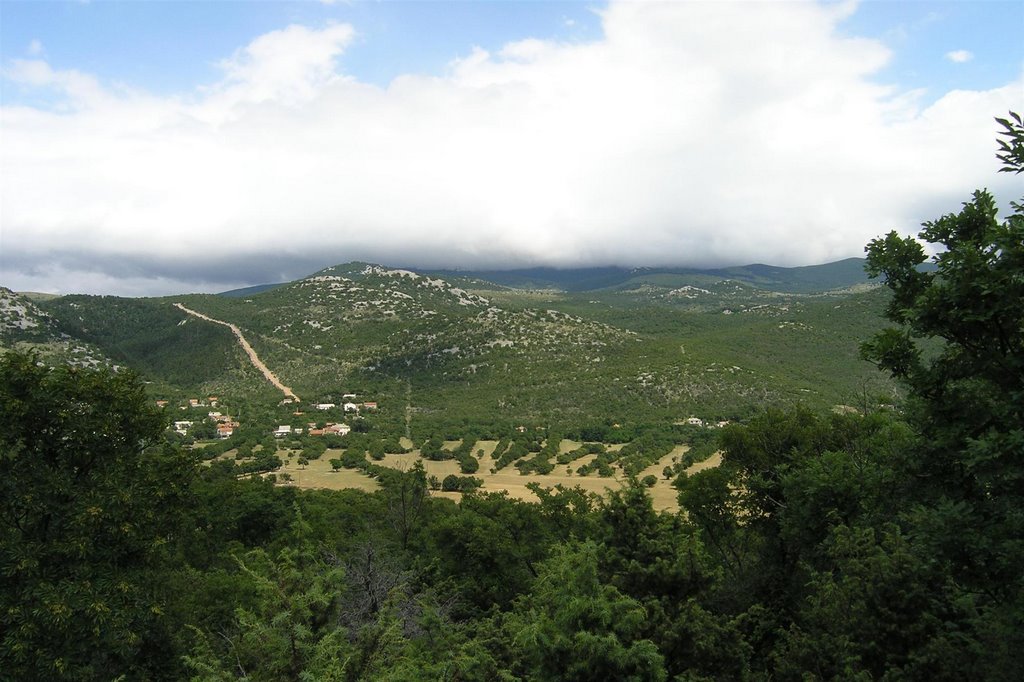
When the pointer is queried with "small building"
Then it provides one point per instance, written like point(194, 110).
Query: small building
point(695, 421)
point(225, 430)
point(351, 407)
point(162, 403)
point(182, 427)
point(370, 406)
point(325, 406)
point(330, 430)
point(282, 430)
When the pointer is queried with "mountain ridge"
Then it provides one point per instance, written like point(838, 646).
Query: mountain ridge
point(797, 279)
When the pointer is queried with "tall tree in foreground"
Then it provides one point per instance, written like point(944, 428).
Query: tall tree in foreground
point(87, 498)
point(959, 347)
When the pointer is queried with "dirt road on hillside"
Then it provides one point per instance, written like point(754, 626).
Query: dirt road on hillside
point(257, 363)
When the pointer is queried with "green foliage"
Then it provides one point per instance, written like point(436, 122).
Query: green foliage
point(464, 484)
point(571, 626)
point(151, 336)
point(967, 393)
point(541, 462)
point(284, 637)
point(882, 610)
point(1011, 150)
point(87, 507)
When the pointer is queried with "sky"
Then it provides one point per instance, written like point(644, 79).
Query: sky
point(154, 148)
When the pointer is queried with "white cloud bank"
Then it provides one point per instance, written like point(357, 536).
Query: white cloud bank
point(960, 56)
point(691, 133)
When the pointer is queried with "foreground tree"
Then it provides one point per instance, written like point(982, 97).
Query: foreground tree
point(573, 627)
point(870, 547)
point(87, 502)
point(959, 348)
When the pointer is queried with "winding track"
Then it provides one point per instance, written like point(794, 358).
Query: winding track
point(257, 363)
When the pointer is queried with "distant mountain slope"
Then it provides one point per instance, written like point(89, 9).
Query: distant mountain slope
point(20, 316)
point(249, 291)
point(24, 324)
point(802, 279)
point(837, 275)
point(805, 279)
point(628, 346)
point(150, 336)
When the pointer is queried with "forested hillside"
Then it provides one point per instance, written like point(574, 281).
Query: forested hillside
point(458, 351)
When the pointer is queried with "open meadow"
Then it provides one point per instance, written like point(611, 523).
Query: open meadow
point(318, 473)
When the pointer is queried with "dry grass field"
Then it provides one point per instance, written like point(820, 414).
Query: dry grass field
point(318, 473)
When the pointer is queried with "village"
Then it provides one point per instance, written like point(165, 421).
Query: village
point(218, 425)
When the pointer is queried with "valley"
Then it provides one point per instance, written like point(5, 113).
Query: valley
point(614, 358)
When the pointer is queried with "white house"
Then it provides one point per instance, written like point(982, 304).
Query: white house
point(325, 406)
point(282, 430)
point(351, 407)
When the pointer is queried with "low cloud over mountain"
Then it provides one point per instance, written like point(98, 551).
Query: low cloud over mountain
point(689, 134)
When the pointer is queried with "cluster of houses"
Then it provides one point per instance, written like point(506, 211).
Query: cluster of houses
point(329, 429)
point(210, 401)
point(697, 421)
point(225, 425)
point(348, 406)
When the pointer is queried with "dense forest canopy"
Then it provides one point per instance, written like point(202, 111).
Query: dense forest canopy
point(875, 545)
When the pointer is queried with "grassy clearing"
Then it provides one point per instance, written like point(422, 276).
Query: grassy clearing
point(671, 458)
point(318, 474)
point(712, 461)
